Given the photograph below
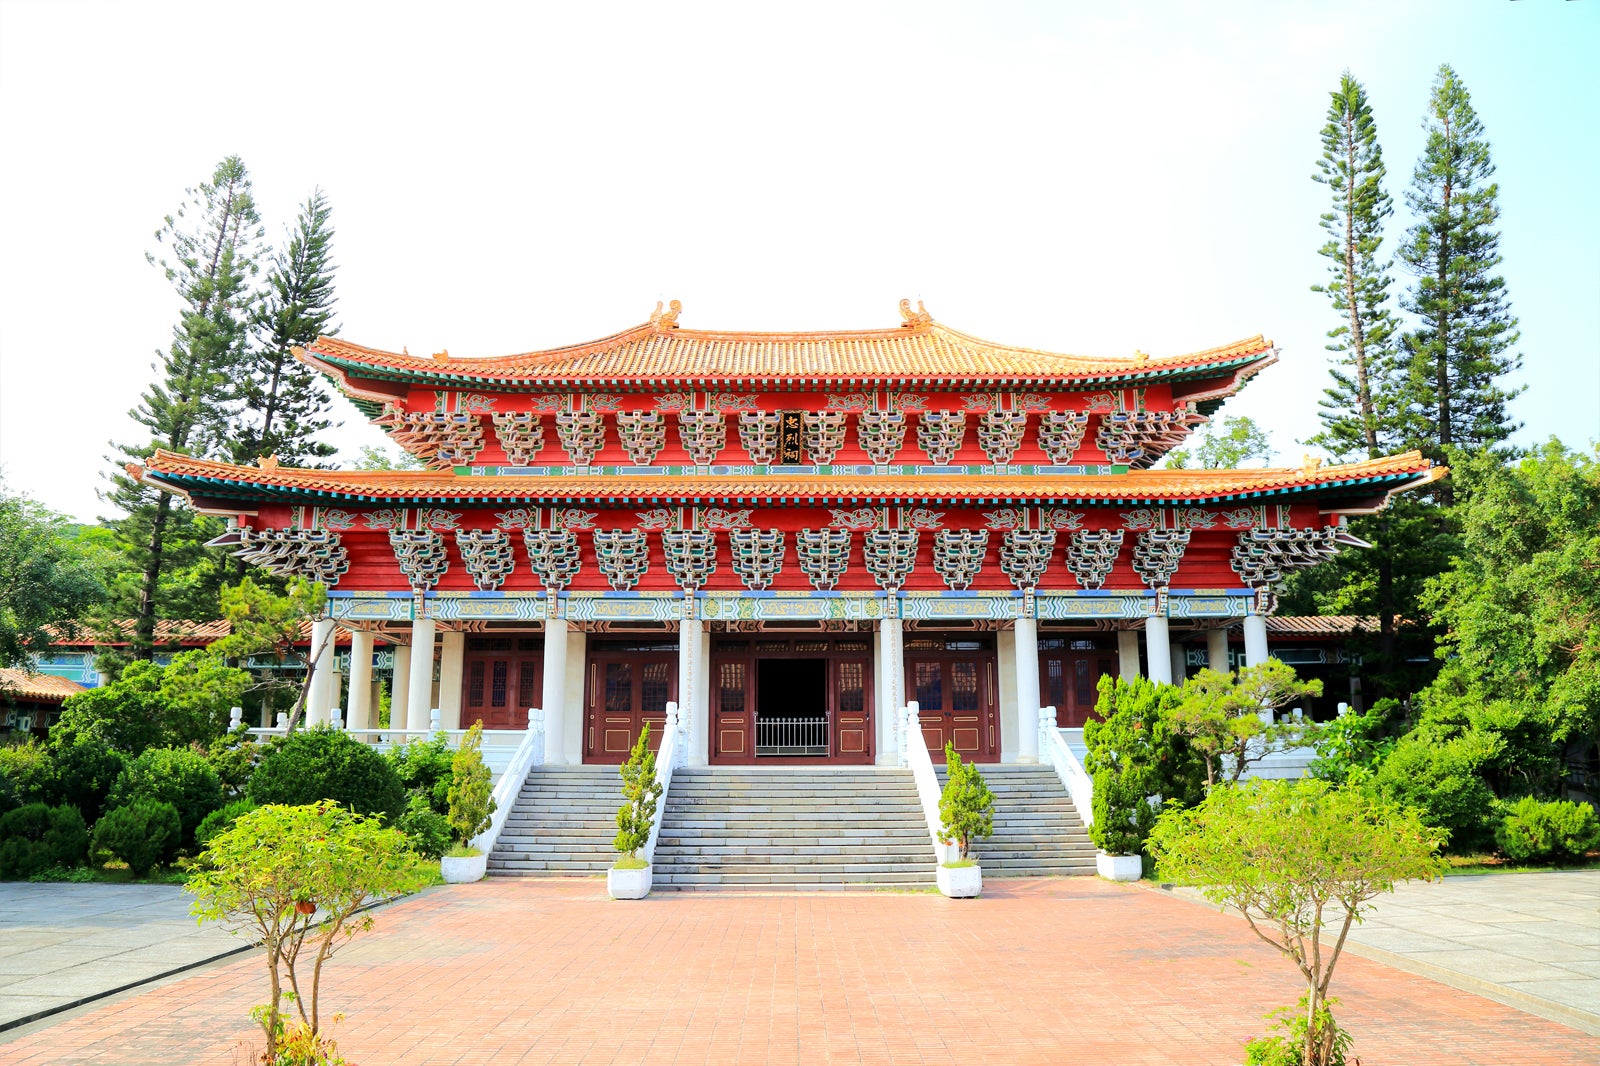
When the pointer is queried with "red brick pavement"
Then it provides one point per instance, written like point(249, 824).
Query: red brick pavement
point(1052, 971)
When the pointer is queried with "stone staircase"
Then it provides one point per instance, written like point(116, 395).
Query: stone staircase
point(1037, 831)
point(563, 824)
point(793, 828)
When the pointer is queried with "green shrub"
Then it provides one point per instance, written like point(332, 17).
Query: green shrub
point(424, 766)
point(966, 806)
point(234, 756)
point(37, 837)
point(1136, 754)
point(31, 770)
point(1553, 831)
point(143, 834)
point(10, 798)
point(178, 776)
point(320, 763)
point(428, 830)
point(640, 791)
point(471, 791)
point(1441, 779)
point(86, 767)
point(220, 819)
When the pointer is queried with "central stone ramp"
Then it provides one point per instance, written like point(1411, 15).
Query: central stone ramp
point(563, 824)
point(1037, 830)
point(793, 828)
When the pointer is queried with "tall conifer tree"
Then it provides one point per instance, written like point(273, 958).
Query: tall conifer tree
point(283, 403)
point(211, 245)
point(1461, 351)
point(1359, 408)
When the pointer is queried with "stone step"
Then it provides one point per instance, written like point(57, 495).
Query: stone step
point(775, 879)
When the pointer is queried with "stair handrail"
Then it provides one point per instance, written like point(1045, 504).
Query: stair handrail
point(529, 753)
point(915, 751)
point(673, 754)
point(1055, 750)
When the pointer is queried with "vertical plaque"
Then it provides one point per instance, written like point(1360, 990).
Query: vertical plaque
point(791, 437)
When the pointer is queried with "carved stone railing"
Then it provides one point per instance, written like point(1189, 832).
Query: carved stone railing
point(1054, 750)
point(671, 756)
point(914, 754)
point(529, 753)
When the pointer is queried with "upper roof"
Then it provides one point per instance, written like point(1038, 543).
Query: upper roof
point(36, 688)
point(179, 631)
point(226, 482)
point(658, 353)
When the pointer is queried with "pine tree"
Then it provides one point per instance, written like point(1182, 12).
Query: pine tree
point(212, 244)
point(1461, 350)
point(1359, 410)
point(283, 403)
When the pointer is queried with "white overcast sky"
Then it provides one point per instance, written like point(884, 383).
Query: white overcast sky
point(1081, 177)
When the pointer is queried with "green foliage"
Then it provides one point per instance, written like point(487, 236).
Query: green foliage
point(221, 819)
point(179, 776)
point(142, 834)
point(966, 806)
point(1234, 442)
point(1295, 1026)
point(1137, 756)
point(1353, 745)
point(1553, 831)
point(261, 622)
point(471, 788)
point(370, 458)
point(294, 880)
point(31, 772)
point(327, 764)
point(429, 831)
point(234, 756)
point(46, 580)
point(10, 798)
point(36, 837)
point(1220, 715)
point(1442, 781)
point(184, 702)
point(84, 766)
point(640, 791)
point(1296, 859)
point(424, 767)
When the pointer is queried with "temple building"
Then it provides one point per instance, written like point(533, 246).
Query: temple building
point(788, 534)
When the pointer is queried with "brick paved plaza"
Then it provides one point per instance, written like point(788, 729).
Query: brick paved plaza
point(1046, 971)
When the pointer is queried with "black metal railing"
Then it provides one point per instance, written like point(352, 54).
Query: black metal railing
point(791, 736)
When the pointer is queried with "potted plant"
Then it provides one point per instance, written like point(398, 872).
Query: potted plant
point(629, 877)
point(966, 807)
point(471, 806)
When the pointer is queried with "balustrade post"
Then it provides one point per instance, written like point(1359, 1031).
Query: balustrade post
point(433, 721)
point(235, 717)
point(1047, 726)
point(336, 718)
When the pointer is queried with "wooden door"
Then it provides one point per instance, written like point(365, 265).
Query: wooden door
point(1069, 678)
point(626, 689)
point(732, 706)
point(955, 696)
point(501, 679)
point(850, 708)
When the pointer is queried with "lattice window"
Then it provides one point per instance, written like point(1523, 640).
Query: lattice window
point(881, 434)
point(758, 432)
point(440, 439)
point(757, 555)
point(823, 555)
point(1091, 554)
point(703, 434)
point(582, 433)
point(824, 435)
point(643, 433)
point(554, 556)
point(890, 555)
point(1139, 438)
point(1263, 556)
point(1061, 434)
point(1157, 553)
point(421, 557)
point(487, 555)
point(958, 555)
point(1000, 434)
point(623, 554)
point(314, 554)
point(691, 556)
point(1025, 555)
point(939, 433)
point(521, 434)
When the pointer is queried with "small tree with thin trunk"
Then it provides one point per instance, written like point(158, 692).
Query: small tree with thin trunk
point(966, 806)
point(264, 623)
point(640, 791)
point(471, 791)
point(1221, 715)
point(1297, 860)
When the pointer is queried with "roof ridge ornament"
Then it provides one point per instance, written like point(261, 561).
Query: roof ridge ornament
point(442, 356)
point(914, 319)
point(667, 319)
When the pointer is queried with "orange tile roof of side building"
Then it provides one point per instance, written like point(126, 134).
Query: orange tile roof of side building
point(38, 688)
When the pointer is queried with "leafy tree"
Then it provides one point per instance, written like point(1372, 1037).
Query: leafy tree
point(966, 806)
point(424, 767)
point(1461, 351)
point(1358, 415)
point(640, 791)
point(209, 252)
point(283, 402)
point(261, 622)
point(1440, 777)
point(1296, 860)
point(295, 880)
point(1353, 744)
point(185, 702)
point(1221, 715)
point(1236, 441)
point(382, 459)
point(1136, 754)
point(46, 581)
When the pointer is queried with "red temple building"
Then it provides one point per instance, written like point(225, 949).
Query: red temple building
point(787, 534)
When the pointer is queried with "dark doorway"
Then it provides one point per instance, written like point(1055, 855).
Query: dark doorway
point(792, 707)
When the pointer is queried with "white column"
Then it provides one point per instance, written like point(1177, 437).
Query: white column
point(554, 693)
point(1180, 663)
point(419, 697)
point(452, 666)
point(890, 687)
point(320, 699)
point(399, 686)
point(1255, 639)
point(1128, 653)
point(1217, 649)
point(702, 683)
point(691, 697)
point(575, 712)
point(360, 702)
point(1156, 648)
point(1027, 631)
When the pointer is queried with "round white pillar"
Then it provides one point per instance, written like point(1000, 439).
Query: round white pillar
point(319, 701)
point(1027, 636)
point(1180, 663)
point(1217, 649)
point(399, 686)
point(419, 695)
point(554, 692)
point(692, 699)
point(1128, 654)
point(1157, 648)
point(452, 667)
point(360, 680)
point(1255, 639)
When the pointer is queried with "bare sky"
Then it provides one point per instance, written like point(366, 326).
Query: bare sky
point(1082, 177)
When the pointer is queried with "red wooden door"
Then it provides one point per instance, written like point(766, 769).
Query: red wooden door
point(626, 689)
point(955, 694)
point(850, 696)
point(1069, 677)
point(732, 710)
point(502, 678)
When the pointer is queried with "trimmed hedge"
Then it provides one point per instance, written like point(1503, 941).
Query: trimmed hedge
point(143, 835)
point(220, 819)
point(328, 764)
point(36, 837)
point(1553, 831)
point(179, 776)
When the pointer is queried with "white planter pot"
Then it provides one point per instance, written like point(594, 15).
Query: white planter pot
point(1119, 867)
point(960, 882)
point(628, 884)
point(463, 870)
